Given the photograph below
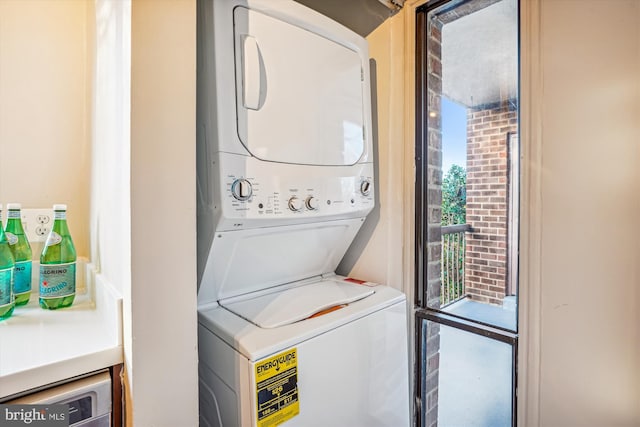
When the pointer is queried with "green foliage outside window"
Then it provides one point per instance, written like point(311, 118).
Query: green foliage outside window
point(454, 202)
point(454, 196)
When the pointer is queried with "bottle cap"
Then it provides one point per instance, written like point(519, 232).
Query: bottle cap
point(14, 206)
point(59, 207)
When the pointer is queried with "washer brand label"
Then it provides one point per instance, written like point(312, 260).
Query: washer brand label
point(277, 389)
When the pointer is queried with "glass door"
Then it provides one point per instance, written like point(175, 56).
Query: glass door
point(467, 198)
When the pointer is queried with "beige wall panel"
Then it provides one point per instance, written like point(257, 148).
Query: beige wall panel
point(44, 88)
point(590, 199)
point(377, 253)
point(164, 373)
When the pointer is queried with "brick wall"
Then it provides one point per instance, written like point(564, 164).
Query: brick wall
point(434, 216)
point(487, 201)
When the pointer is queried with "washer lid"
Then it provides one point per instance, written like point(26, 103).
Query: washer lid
point(292, 305)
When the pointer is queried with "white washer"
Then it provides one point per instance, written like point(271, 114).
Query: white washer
point(350, 365)
point(285, 180)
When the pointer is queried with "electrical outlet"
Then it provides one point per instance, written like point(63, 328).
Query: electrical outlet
point(37, 223)
point(43, 219)
point(42, 230)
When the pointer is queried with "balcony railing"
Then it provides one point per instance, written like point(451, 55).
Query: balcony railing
point(452, 263)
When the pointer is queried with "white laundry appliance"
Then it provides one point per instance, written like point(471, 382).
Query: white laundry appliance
point(285, 180)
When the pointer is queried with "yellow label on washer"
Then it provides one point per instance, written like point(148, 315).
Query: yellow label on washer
point(277, 389)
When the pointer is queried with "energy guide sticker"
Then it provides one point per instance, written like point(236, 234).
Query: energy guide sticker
point(277, 389)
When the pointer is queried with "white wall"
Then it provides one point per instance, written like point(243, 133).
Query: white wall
point(143, 134)
point(110, 136)
point(590, 327)
point(44, 109)
point(163, 375)
point(110, 219)
point(377, 252)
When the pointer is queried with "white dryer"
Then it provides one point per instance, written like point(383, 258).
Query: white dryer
point(285, 180)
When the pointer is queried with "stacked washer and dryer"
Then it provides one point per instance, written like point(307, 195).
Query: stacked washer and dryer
point(285, 181)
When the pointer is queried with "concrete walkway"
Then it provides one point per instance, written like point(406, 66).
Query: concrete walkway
point(504, 317)
point(475, 372)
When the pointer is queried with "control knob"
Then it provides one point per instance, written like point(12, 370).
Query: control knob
point(365, 187)
point(241, 189)
point(295, 204)
point(312, 203)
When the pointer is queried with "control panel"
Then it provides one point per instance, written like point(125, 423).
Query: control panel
point(252, 196)
point(264, 199)
point(253, 193)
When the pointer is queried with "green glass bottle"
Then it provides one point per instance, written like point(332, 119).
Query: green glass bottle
point(58, 264)
point(7, 302)
point(21, 251)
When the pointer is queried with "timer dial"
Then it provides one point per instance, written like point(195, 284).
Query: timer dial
point(241, 189)
point(365, 187)
point(312, 203)
point(295, 204)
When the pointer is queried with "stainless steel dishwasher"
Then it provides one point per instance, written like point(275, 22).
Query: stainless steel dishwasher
point(89, 400)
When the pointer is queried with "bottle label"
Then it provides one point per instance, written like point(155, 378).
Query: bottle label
point(12, 238)
point(59, 215)
point(13, 214)
point(6, 295)
point(57, 280)
point(22, 277)
point(53, 239)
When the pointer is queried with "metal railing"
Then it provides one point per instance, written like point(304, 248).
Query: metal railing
point(452, 263)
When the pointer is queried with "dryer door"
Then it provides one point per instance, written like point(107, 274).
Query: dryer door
point(299, 95)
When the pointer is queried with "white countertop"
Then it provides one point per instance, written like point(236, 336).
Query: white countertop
point(39, 347)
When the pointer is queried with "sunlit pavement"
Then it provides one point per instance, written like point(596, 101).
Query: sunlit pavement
point(475, 372)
